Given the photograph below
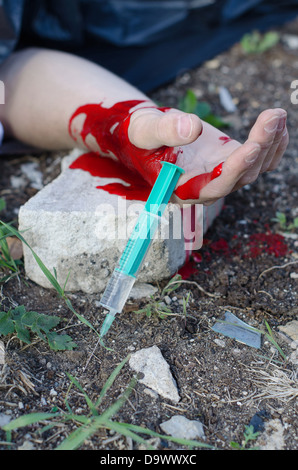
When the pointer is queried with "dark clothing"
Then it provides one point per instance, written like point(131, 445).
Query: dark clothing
point(146, 42)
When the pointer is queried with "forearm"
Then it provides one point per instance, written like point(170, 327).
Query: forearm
point(44, 88)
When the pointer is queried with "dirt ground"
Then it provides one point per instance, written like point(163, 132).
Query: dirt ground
point(222, 383)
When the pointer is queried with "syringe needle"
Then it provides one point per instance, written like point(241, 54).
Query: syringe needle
point(107, 323)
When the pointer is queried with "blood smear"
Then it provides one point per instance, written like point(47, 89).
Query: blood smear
point(105, 167)
point(137, 167)
point(225, 139)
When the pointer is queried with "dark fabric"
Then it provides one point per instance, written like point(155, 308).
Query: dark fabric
point(147, 42)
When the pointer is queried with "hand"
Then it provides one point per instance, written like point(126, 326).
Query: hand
point(203, 147)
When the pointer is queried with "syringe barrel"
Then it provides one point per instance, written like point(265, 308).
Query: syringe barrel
point(139, 243)
point(117, 291)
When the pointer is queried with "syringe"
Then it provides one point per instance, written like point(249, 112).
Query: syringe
point(125, 273)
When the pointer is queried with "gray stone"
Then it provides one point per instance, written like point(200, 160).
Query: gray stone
point(180, 427)
point(80, 230)
point(290, 329)
point(156, 372)
point(75, 227)
point(142, 290)
point(273, 437)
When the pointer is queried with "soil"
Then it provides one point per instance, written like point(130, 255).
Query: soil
point(246, 264)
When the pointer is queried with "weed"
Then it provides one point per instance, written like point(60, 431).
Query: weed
point(52, 278)
point(87, 426)
point(21, 322)
point(248, 435)
point(281, 218)
point(7, 262)
point(190, 104)
point(256, 43)
point(158, 307)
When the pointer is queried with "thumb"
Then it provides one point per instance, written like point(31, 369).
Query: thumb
point(153, 128)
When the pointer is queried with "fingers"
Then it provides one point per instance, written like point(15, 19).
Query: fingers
point(263, 151)
point(234, 168)
point(151, 128)
point(279, 151)
point(268, 132)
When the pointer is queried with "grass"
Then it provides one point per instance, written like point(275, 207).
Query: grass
point(7, 262)
point(52, 278)
point(21, 322)
point(87, 426)
point(267, 334)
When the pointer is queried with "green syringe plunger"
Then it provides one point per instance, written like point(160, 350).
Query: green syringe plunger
point(124, 275)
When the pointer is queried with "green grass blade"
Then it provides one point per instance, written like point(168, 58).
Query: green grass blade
point(110, 380)
point(124, 430)
point(112, 410)
point(88, 401)
point(270, 337)
point(28, 419)
point(80, 317)
point(185, 442)
point(44, 269)
point(78, 437)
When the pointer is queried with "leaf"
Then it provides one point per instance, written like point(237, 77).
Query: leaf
point(6, 324)
point(202, 109)
point(216, 121)
point(88, 401)
point(268, 41)
point(60, 342)
point(22, 333)
point(111, 380)
point(24, 322)
point(188, 103)
point(2, 204)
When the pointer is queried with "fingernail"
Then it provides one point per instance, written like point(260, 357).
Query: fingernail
point(252, 155)
point(184, 126)
point(271, 124)
point(282, 123)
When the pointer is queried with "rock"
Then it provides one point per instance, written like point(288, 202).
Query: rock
point(75, 227)
point(156, 372)
point(290, 329)
point(78, 229)
point(273, 436)
point(142, 290)
point(258, 420)
point(4, 419)
point(291, 41)
point(27, 445)
point(183, 428)
point(33, 174)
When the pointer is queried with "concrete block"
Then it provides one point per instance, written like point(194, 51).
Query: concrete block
point(73, 226)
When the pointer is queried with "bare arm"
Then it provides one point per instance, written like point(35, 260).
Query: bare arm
point(43, 88)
